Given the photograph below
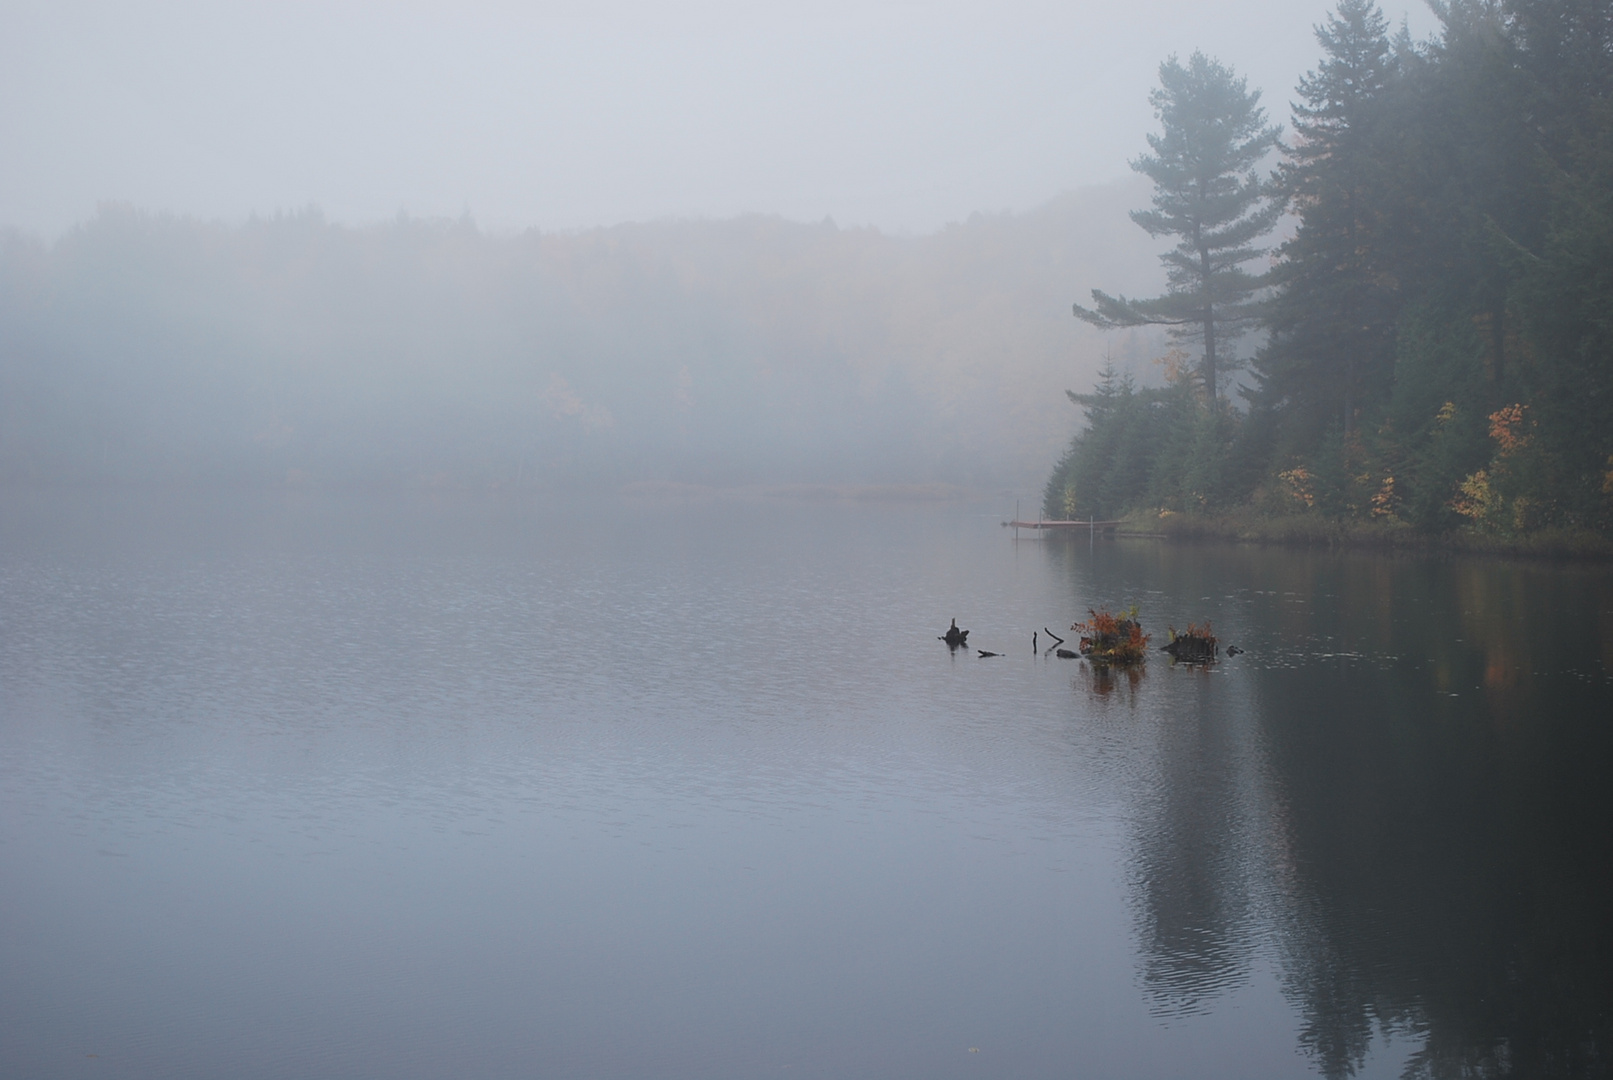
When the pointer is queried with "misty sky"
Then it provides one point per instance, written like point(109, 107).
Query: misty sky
point(562, 115)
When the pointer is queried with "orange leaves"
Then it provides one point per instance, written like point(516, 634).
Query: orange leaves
point(1511, 428)
point(1108, 638)
point(1501, 498)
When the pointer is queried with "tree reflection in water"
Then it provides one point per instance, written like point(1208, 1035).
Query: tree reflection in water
point(1196, 856)
point(1104, 679)
point(1448, 818)
point(1403, 792)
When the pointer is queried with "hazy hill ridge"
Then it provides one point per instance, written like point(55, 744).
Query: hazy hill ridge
point(144, 348)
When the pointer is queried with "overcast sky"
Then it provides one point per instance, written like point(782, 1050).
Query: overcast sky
point(901, 115)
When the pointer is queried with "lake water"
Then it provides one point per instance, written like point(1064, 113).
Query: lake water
point(303, 785)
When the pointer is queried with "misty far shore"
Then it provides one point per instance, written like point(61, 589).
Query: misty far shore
point(294, 351)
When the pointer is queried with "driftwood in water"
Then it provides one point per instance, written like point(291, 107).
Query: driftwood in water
point(1196, 646)
point(983, 653)
point(954, 637)
point(1066, 654)
point(1052, 635)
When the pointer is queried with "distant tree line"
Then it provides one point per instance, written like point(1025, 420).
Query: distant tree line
point(142, 348)
point(1436, 333)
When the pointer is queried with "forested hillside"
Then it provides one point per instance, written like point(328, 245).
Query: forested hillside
point(294, 349)
point(1438, 330)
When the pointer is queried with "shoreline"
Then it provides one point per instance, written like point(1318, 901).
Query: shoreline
point(1571, 545)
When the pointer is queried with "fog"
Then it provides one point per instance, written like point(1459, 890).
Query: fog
point(567, 115)
point(499, 244)
point(296, 350)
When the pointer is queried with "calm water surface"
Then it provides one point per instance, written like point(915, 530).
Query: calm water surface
point(317, 786)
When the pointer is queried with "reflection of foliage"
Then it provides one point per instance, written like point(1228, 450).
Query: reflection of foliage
point(1103, 680)
point(1433, 836)
point(1447, 857)
point(1107, 638)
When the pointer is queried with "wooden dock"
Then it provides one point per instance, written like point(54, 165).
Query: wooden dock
point(1091, 527)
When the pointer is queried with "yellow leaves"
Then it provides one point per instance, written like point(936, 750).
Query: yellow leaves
point(1178, 365)
point(1385, 501)
point(1524, 513)
point(1476, 498)
point(1301, 484)
point(1495, 498)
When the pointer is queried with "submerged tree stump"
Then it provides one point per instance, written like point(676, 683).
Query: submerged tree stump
point(1107, 638)
point(1195, 645)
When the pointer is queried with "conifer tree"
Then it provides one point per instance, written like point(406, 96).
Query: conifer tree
point(1213, 134)
point(1333, 319)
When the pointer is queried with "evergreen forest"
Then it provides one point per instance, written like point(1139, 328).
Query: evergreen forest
point(1429, 330)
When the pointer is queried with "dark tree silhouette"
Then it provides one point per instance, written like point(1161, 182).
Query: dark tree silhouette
point(1208, 194)
point(1332, 323)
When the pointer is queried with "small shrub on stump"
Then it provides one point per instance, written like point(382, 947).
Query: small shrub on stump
point(1107, 638)
point(1195, 645)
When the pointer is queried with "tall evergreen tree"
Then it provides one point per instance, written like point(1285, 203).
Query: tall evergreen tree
point(1565, 51)
point(1441, 351)
point(1213, 134)
point(1333, 319)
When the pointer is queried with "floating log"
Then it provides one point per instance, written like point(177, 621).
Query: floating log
point(1066, 654)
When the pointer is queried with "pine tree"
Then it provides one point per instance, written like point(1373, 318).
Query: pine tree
point(1333, 319)
point(1207, 193)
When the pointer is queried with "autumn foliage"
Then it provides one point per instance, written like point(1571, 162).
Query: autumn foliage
point(1112, 639)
